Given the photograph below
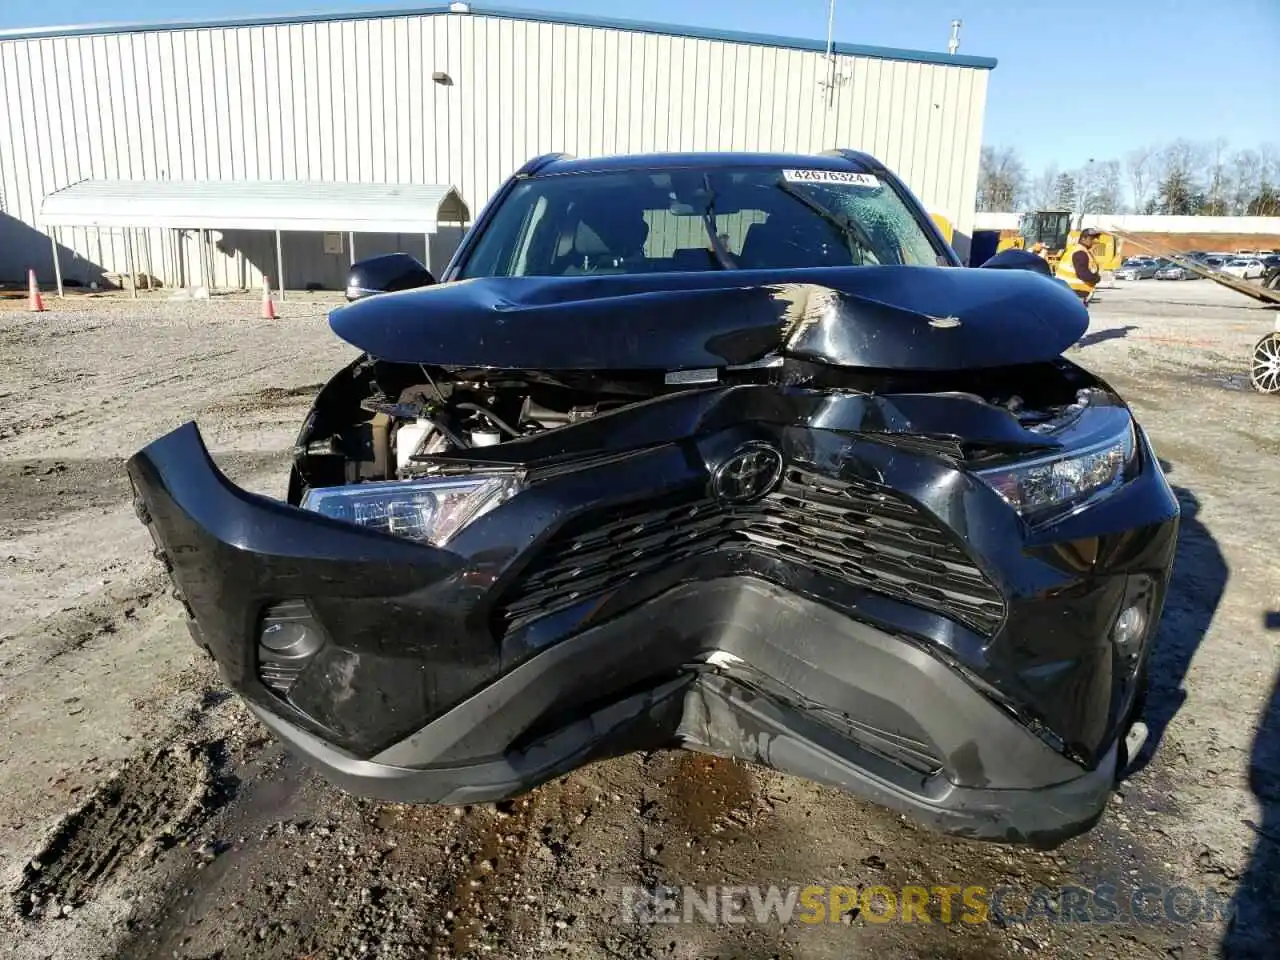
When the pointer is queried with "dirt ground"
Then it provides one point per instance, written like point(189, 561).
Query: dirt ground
point(144, 813)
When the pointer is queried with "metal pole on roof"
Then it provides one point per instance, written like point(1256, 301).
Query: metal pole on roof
point(831, 51)
point(280, 266)
point(57, 263)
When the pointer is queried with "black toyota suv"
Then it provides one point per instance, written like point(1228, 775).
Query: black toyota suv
point(725, 452)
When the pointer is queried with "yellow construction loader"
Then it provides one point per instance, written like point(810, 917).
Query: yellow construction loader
point(1051, 229)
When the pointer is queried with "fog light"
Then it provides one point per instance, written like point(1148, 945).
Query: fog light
point(289, 638)
point(1129, 628)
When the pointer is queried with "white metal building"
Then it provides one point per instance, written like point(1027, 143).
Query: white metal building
point(450, 96)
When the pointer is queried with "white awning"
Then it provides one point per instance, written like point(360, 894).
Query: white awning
point(256, 205)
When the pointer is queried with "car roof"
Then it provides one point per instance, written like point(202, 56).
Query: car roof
point(848, 160)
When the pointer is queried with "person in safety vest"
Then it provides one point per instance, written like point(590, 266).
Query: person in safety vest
point(1078, 268)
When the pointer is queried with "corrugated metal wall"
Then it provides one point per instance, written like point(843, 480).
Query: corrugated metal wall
point(354, 100)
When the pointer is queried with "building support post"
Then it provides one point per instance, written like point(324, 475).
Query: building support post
point(208, 259)
point(351, 246)
point(280, 266)
point(57, 262)
point(151, 283)
point(204, 263)
point(129, 263)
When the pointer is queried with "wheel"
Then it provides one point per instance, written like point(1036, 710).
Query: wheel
point(1266, 364)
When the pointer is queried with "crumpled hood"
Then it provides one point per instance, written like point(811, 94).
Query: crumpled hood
point(890, 318)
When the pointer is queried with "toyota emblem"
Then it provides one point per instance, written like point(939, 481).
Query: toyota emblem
point(752, 471)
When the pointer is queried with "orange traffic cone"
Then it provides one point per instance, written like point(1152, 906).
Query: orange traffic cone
point(268, 305)
point(35, 302)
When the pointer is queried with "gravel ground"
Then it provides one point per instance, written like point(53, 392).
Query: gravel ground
point(144, 813)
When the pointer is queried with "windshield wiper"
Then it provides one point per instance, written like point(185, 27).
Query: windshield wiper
point(722, 255)
point(850, 230)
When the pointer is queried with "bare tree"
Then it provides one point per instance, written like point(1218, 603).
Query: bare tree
point(1186, 177)
point(1178, 184)
point(1267, 202)
point(1217, 202)
point(1101, 190)
point(1043, 192)
point(1138, 166)
point(1183, 157)
point(1246, 179)
point(1086, 183)
point(1269, 154)
point(1002, 179)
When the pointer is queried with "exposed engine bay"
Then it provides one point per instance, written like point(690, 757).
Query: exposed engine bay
point(385, 421)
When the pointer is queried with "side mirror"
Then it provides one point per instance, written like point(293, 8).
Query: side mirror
point(1014, 259)
point(386, 274)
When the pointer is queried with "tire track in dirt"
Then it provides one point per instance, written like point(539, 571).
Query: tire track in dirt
point(294, 868)
point(151, 802)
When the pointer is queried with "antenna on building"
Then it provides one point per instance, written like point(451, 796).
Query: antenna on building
point(954, 43)
point(831, 28)
point(833, 79)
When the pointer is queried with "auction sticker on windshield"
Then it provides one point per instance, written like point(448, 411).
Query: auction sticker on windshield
point(832, 176)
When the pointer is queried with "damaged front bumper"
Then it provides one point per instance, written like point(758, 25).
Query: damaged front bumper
point(880, 621)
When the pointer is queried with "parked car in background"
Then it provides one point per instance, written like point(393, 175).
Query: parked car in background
point(1246, 268)
point(720, 451)
point(1176, 272)
point(1137, 268)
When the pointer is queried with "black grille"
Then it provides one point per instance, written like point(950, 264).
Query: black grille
point(857, 532)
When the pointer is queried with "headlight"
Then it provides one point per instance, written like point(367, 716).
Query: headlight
point(429, 510)
point(1049, 484)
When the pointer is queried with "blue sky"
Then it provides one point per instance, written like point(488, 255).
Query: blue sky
point(1075, 81)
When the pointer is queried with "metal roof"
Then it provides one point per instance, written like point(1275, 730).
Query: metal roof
point(537, 16)
point(255, 205)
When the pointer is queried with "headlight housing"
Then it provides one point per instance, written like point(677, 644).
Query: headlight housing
point(1066, 480)
point(432, 510)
